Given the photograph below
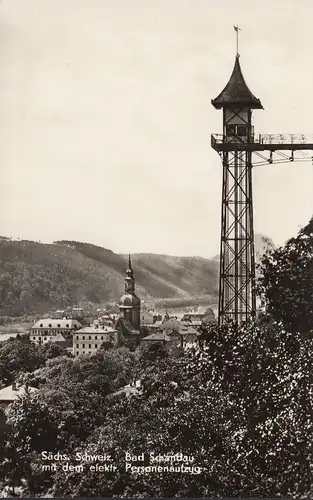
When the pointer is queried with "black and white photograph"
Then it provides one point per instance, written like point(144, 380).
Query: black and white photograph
point(156, 249)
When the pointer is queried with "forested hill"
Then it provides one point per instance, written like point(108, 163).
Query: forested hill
point(36, 277)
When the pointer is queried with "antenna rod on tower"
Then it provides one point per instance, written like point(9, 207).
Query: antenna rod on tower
point(237, 29)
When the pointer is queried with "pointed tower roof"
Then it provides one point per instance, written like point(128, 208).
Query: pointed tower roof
point(236, 92)
point(129, 271)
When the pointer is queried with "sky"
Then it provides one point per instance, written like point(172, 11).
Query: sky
point(106, 116)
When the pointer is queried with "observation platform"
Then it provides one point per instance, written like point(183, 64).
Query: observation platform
point(263, 142)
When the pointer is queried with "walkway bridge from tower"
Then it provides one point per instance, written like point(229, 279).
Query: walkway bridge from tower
point(281, 148)
point(264, 142)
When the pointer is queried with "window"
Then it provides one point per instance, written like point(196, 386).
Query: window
point(77, 347)
point(102, 337)
point(77, 337)
point(59, 326)
point(34, 338)
point(83, 337)
point(50, 325)
point(41, 325)
point(45, 338)
point(67, 326)
point(241, 130)
point(96, 346)
point(89, 346)
point(236, 130)
point(230, 130)
point(89, 337)
point(96, 337)
point(83, 352)
point(83, 346)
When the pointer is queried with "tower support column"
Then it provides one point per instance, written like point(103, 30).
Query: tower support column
point(237, 300)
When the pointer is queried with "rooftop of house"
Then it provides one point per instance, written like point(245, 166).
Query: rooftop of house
point(193, 322)
point(187, 330)
point(156, 324)
point(7, 336)
point(58, 338)
point(171, 324)
point(157, 336)
point(96, 329)
point(62, 324)
point(12, 392)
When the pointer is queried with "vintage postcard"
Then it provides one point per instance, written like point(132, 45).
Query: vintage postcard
point(156, 249)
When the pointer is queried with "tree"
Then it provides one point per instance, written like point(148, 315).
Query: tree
point(240, 405)
point(286, 282)
point(17, 356)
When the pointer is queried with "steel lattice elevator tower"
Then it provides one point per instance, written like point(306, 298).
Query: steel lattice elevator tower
point(236, 146)
point(237, 300)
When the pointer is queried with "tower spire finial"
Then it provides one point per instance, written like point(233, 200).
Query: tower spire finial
point(237, 29)
point(129, 262)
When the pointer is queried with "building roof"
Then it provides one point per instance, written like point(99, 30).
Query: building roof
point(171, 324)
point(236, 92)
point(58, 337)
point(63, 324)
point(157, 336)
point(7, 336)
point(188, 330)
point(192, 322)
point(126, 327)
point(146, 314)
point(10, 394)
point(101, 329)
point(156, 324)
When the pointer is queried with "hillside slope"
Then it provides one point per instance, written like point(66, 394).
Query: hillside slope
point(35, 277)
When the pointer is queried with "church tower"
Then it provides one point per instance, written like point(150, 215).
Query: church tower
point(130, 303)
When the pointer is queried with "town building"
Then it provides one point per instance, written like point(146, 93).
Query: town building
point(165, 338)
point(88, 340)
point(10, 393)
point(173, 332)
point(106, 319)
point(156, 325)
point(53, 330)
point(147, 318)
point(171, 324)
point(129, 305)
point(200, 317)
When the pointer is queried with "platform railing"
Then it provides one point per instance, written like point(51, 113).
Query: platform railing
point(266, 139)
point(284, 139)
